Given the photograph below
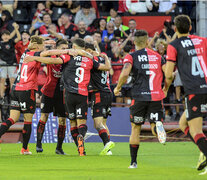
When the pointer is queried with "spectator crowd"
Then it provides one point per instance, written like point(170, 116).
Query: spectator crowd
point(99, 22)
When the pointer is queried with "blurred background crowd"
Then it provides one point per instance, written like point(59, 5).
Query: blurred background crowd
point(99, 22)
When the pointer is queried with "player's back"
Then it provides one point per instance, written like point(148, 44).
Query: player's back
point(190, 54)
point(54, 73)
point(76, 74)
point(100, 79)
point(27, 73)
point(147, 75)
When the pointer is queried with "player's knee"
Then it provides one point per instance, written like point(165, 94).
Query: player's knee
point(44, 117)
point(62, 121)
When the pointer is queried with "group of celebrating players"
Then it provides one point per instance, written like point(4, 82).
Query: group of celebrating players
point(72, 73)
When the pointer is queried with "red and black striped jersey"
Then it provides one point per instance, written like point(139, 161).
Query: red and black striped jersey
point(147, 75)
point(100, 79)
point(190, 55)
point(27, 73)
point(54, 73)
point(77, 73)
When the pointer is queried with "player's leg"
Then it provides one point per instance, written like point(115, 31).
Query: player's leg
point(14, 114)
point(134, 142)
point(40, 131)
point(59, 110)
point(46, 107)
point(13, 118)
point(183, 124)
point(155, 116)
point(138, 110)
point(61, 135)
point(27, 129)
point(105, 125)
point(27, 101)
point(195, 109)
point(71, 111)
point(74, 131)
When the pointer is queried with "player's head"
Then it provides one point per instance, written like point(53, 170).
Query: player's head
point(140, 38)
point(89, 47)
point(128, 47)
point(62, 44)
point(78, 44)
point(5, 35)
point(36, 43)
point(182, 24)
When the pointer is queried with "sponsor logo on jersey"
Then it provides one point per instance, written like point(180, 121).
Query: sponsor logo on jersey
point(149, 66)
point(186, 43)
point(142, 58)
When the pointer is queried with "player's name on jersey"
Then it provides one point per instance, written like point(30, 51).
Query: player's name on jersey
point(195, 51)
point(149, 66)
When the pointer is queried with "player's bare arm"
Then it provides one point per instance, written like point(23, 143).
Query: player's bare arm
point(169, 68)
point(107, 65)
point(123, 78)
point(45, 60)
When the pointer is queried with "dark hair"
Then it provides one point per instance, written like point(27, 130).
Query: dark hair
point(132, 20)
point(66, 14)
point(117, 33)
point(5, 32)
point(46, 14)
point(97, 32)
point(127, 48)
point(37, 39)
point(8, 15)
point(141, 32)
point(79, 42)
point(25, 31)
point(182, 23)
point(113, 39)
point(61, 41)
point(86, 5)
point(1, 2)
point(89, 46)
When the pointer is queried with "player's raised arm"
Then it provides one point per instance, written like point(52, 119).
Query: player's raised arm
point(45, 60)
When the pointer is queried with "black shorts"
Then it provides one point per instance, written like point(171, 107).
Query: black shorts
point(23, 101)
point(196, 106)
point(101, 104)
point(76, 106)
point(54, 104)
point(141, 110)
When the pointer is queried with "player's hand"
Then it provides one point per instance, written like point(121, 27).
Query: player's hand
point(116, 91)
point(28, 59)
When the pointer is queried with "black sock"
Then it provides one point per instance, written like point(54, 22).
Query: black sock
point(133, 152)
point(103, 135)
point(61, 136)
point(74, 133)
point(26, 133)
point(187, 133)
point(5, 126)
point(82, 129)
point(201, 141)
point(40, 132)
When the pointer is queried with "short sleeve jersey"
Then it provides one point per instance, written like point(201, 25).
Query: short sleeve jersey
point(54, 73)
point(147, 75)
point(100, 79)
point(77, 72)
point(190, 55)
point(27, 73)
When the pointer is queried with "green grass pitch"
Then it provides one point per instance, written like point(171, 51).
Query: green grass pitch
point(173, 161)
